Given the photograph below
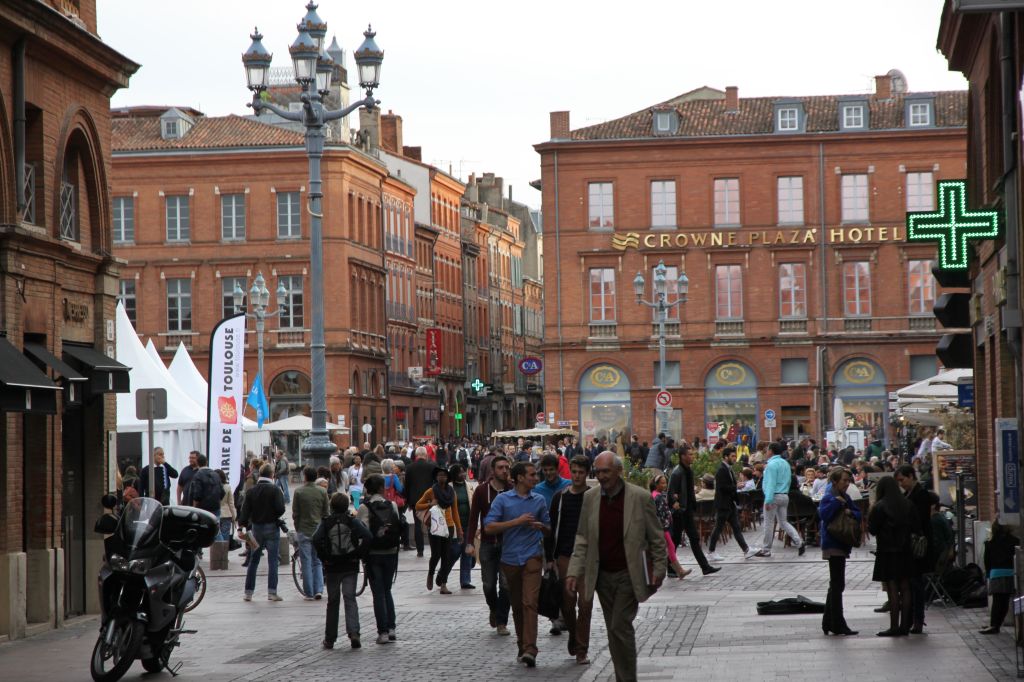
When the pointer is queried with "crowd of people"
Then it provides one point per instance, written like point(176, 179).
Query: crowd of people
point(520, 511)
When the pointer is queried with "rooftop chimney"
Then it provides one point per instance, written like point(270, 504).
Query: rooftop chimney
point(391, 132)
point(414, 153)
point(883, 87)
point(732, 98)
point(559, 125)
point(369, 124)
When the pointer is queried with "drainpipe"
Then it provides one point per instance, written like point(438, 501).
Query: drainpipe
point(558, 299)
point(823, 408)
point(19, 125)
point(1011, 201)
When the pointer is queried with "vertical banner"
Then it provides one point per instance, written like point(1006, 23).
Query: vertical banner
point(226, 398)
point(433, 366)
point(1008, 470)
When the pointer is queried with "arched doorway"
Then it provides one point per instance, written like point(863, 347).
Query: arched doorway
point(290, 395)
point(860, 384)
point(730, 403)
point(605, 410)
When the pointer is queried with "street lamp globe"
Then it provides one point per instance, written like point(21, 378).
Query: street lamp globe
point(238, 295)
point(683, 284)
point(304, 54)
point(314, 25)
point(638, 285)
point(660, 279)
point(282, 295)
point(257, 63)
point(369, 58)
point(324, 72)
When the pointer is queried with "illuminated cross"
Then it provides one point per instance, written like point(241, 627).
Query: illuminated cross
point(477, 385)
point(952, 225)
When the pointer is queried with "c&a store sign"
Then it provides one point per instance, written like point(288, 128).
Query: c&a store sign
point(725, 238)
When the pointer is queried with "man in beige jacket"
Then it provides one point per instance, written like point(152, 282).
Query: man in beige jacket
point(620, 553)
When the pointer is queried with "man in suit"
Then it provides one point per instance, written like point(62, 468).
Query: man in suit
point(683, 499)
point(164, 473)
point(418, 477)
point(725, 505)
point(619, 553)
point(906, 476)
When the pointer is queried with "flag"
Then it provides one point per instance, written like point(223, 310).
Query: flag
point(258, 399)
point(224, 427)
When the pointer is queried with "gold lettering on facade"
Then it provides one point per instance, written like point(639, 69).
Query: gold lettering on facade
point(836, 235)
point(779, 238)
point(809, 236)
point(731, 239)
point(681, 240)
point(754, 236)
point(666, 240)
point(698, 238)
point(794, 237)
point(649, 240)
point(716, 239)
point(855, 234)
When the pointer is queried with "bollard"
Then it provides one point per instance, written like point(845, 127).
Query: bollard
point(219, 556)
point(282, 553)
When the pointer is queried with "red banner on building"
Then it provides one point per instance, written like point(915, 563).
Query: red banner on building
point(433, 366)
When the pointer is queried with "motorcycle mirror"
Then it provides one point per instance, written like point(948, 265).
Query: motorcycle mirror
point(108, 501)
point(106, 524)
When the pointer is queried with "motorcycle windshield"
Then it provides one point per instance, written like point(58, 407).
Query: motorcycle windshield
point(139, 526)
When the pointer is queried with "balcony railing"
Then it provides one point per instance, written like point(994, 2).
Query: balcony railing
point(290, 338)
point(604, 330)
point(173, 339)
point(924, 323)
point(671, 328)
point(729, 328)
point(792, 326)
point(857, 324)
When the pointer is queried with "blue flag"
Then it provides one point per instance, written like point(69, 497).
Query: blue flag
point(258, 399)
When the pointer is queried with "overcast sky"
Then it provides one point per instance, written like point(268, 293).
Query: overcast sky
point(474, 81)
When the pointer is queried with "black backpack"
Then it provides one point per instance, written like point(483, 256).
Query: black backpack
point(206, 490)
point(337, 545)
point(385, 526)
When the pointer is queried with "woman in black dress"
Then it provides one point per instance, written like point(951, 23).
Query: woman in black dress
point(889, 522)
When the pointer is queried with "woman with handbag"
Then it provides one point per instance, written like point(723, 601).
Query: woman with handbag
point(840, 532)
point(436, 508)
point(889, 521)
point(999, 550)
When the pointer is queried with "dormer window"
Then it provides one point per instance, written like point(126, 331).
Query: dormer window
point(175, 124)
point(919, 112)
point(853, 116)
point(789, 117)
point(666, 122)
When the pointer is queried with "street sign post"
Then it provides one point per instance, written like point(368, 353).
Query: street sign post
point(769, 422)
point(663, 399)
point(150, 404)
point(367, 428)
point(540, 417)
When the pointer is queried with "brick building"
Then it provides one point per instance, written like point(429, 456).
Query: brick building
point(974, 43)
point(787, 215)
point(204, 203)
point(58, 282)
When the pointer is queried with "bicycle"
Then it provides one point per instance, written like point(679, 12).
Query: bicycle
point(200, 578)
point(296, 561)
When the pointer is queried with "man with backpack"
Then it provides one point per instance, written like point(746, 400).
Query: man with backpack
point(341, 542)
point(205, 490)
point(381, 517)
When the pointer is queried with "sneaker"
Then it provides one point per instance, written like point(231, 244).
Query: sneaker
point(750, 553)
point(307, 598)
point(246, 597)
point(392, 636)
point(328, 645)
point(802, 549)
point(318, 596)
point(530, 660)
point(274, 597)
point(763, 552)
point(468, 586)
point(555, 630)
point(356, 644)
point(382, 638)
point(716, 557)
point(503, 631)
point(712, 569)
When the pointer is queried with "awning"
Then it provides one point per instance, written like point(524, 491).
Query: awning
point(72, 382)
point(23, 388)
point(106, 375)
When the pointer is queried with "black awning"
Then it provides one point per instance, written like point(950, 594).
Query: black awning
point(74, 384)
point(23, 388)
point(105, 374)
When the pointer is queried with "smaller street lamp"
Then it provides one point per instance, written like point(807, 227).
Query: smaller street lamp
point(661, 305)
point(259, 299)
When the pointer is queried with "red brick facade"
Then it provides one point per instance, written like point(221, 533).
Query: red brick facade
point(623, 195)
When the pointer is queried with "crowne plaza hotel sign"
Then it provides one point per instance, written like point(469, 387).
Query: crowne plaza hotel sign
point(679, 239)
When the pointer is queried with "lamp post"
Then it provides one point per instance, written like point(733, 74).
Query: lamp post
point(313, 70)
point(259, 299)
point(661, 306)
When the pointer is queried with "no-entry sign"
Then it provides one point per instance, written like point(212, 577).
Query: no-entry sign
point(663, 399)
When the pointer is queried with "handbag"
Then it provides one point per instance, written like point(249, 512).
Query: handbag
point(438, 523)
point(845, 529)
point(233, 542)
point(918, 545)
point(391, 494)
point(549, 602)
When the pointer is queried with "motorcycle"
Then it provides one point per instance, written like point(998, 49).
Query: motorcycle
point(148, 578)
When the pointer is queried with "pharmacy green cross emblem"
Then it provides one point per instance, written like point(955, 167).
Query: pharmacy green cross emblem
point(952, 225)
point(477, 385)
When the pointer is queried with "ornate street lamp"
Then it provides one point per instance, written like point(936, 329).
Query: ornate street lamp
point(312, 73)
point(259, 299)
point(661, 305)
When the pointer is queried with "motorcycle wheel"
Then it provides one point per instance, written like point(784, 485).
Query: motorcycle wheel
point(120, 654)
point(200, 589)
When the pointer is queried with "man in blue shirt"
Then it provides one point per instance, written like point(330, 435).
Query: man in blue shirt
point(778, 476)
point(520, 516)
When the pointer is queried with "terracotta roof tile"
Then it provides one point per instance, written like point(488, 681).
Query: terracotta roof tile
point(216, 132)
point(708, 117)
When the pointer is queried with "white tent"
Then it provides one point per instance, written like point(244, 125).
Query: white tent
point(301, 423)
point(184, 429)
point(184, 372)
point(924, 401)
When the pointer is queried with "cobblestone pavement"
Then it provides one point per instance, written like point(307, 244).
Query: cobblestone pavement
point(702, 628)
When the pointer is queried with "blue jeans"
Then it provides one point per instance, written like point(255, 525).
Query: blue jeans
point(282, 483)
point(312, 569)
point(381, 568)
point(225, 529)
point(465, 562)
point(494, 583)
point(268, 535)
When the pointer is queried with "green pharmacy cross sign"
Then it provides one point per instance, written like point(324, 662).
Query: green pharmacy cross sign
point(952, 226)
point(477, 385)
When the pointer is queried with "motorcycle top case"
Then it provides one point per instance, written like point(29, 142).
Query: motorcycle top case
point(178, 521)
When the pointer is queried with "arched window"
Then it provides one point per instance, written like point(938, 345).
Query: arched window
point(605, 404)
point(730, 403)
point(290, 395)
point(860, 387)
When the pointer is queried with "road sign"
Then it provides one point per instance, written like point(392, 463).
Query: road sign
point(531, 365)
point(540, 417)
point(769, 415)
point(563, 424)
point(145, 408)
point(770, 424)
point(965, 395)
point(663, 399)
point(367, 428)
